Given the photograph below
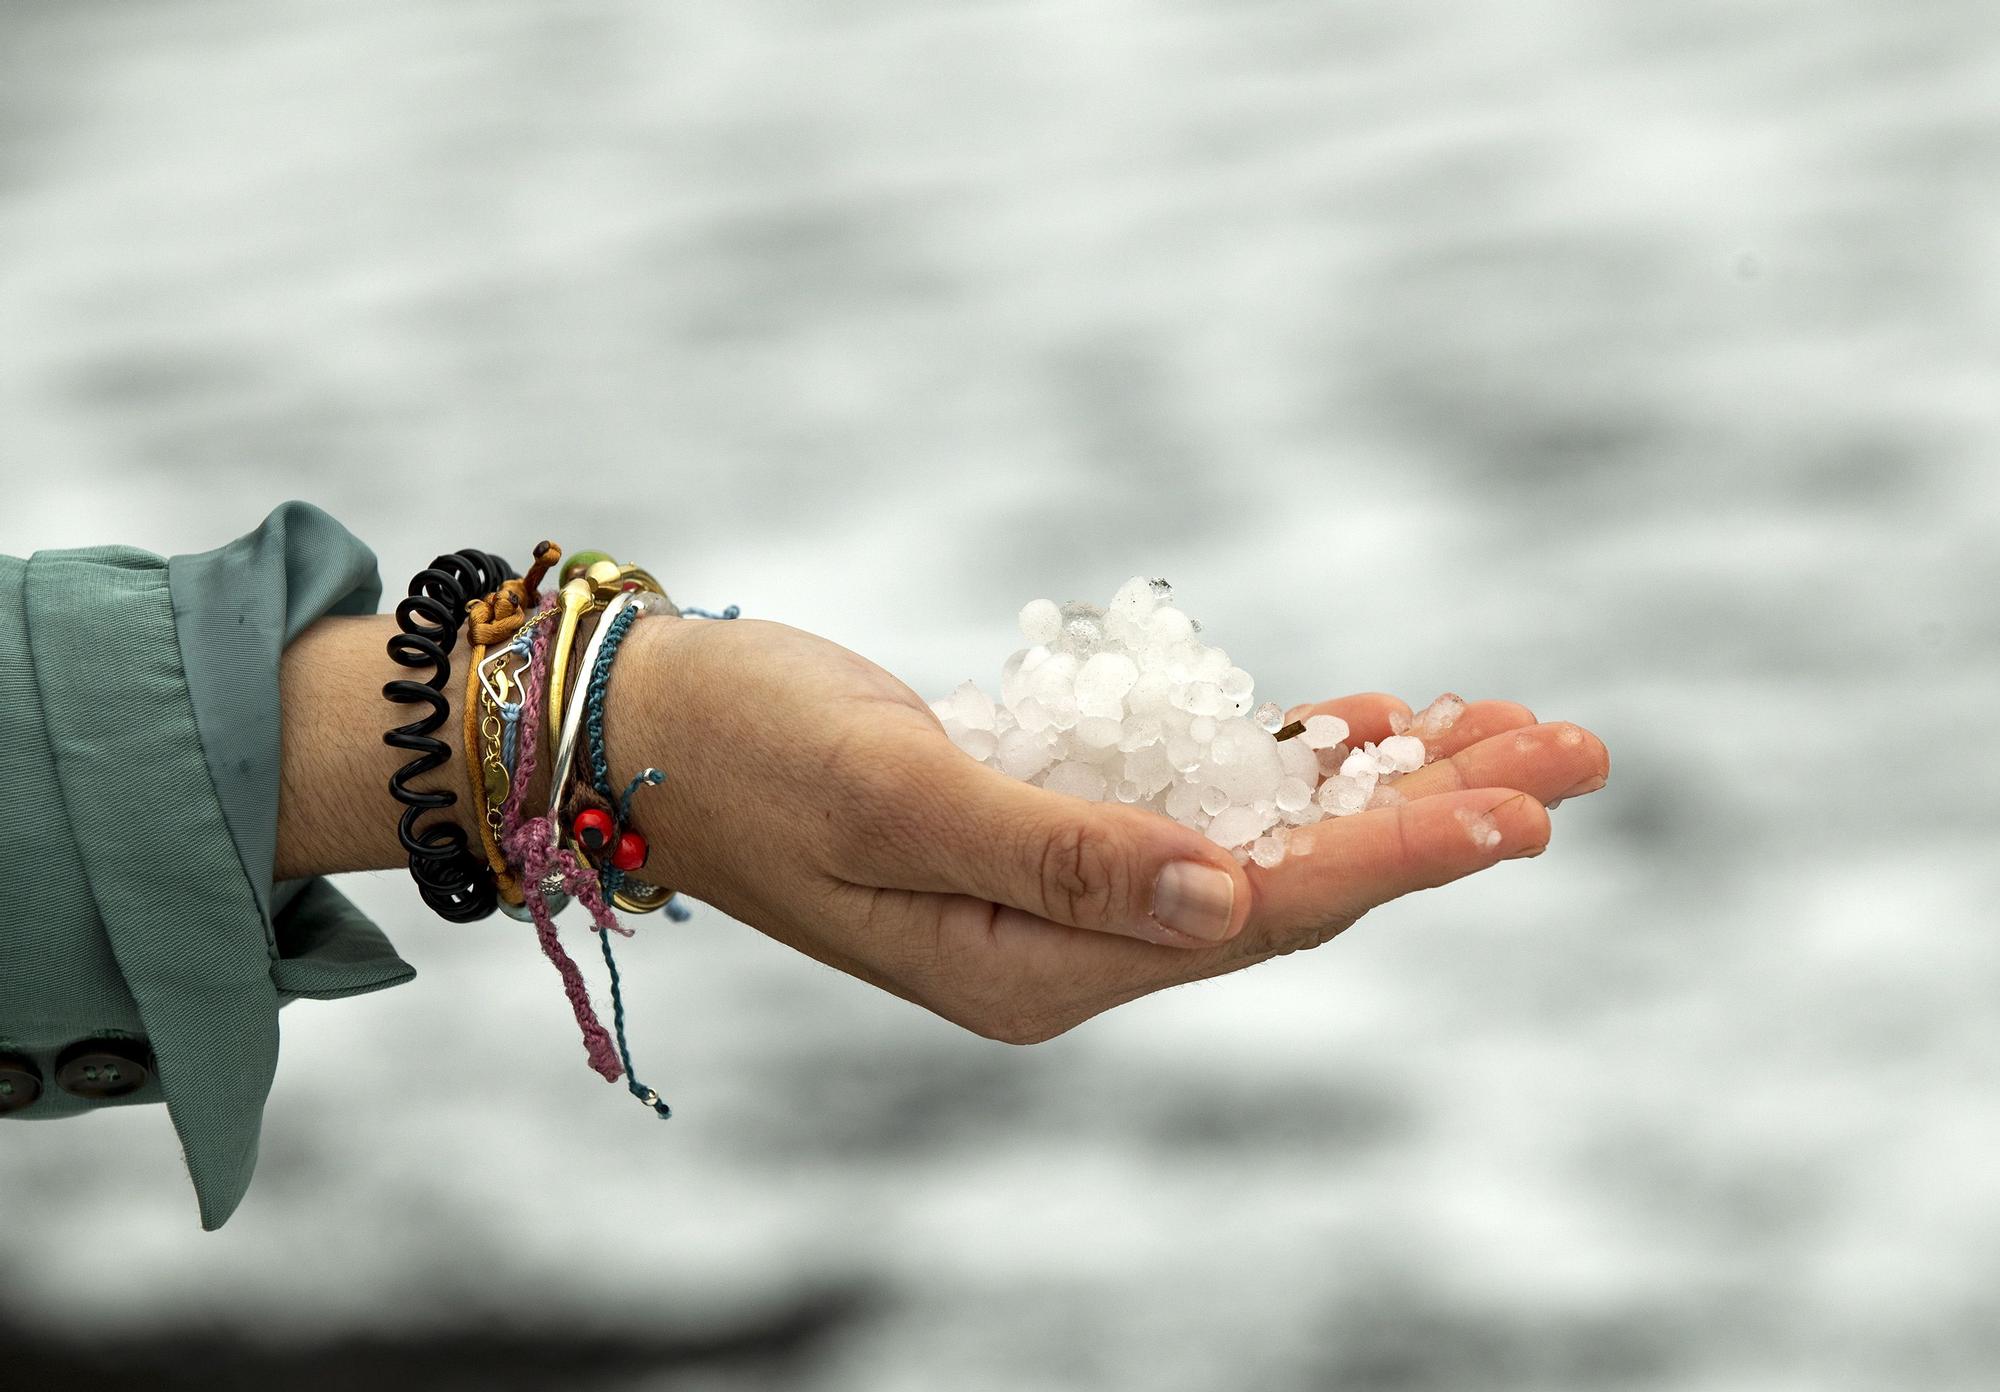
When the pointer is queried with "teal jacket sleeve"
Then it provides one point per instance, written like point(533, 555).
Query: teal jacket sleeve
point(147, 950)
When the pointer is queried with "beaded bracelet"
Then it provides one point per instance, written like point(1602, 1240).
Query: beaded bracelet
point(606, 832)
point(534, 850)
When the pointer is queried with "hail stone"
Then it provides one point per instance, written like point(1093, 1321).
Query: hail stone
point(973, 707)
point(1023, 754)
point(1235, 825)
point(1480, 829)
point(1041, 621)
point(1077, 779)
point(1299, 761)
point(1324, 731)
point(1405, 753)
point(1102, 683)
point(980, 744)
point(1082, 629)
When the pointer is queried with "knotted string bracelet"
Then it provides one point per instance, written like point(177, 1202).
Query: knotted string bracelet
point(548, 867)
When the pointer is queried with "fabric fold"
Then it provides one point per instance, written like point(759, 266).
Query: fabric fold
point(176, 902)
point(157, 683)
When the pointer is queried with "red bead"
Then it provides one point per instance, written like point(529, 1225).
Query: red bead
point(631, 851)
point(592, 829)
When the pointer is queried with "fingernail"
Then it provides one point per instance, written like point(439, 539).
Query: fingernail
point(1194, 899)
point(1589, 785)
point(1529, 852)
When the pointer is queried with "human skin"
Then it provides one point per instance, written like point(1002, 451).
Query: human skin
point(815, 797)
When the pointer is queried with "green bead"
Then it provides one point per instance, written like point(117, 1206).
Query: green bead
point(580, 562)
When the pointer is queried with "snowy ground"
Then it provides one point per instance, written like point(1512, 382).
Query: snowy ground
point(1635, 362)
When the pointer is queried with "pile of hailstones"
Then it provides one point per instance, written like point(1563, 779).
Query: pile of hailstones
point(1126, 703)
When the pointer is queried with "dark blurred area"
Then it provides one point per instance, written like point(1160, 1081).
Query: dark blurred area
point(1634, 362)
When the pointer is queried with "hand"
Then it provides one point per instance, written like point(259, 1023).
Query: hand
point(815, 797)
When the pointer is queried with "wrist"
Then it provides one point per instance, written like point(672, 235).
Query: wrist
point(653, 718)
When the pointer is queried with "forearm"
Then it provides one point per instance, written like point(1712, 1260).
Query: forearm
point(335, 812)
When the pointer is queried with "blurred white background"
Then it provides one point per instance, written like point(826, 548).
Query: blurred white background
point(1636, 362)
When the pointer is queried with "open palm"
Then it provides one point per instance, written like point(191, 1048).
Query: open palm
point(815, 797)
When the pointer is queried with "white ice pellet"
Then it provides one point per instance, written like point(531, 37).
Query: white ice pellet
point(1101, 684)
point(1404, 753)
point(1311, 812)
point(1033, 715)
point(1168, 625)
point(1482, 829)
point(1298, 761)
point(1148, 767)
point(1128, 702)
point(1014, 675)
point(973, 707)
point(1139, 732)
point(1136, 598)
point(1055, 680)
point(1082, 629)
point(1324, 731)
point(1148, 695)
point(1041, 621)
point(1383, 763)
point(1430, 723)
point(1246, 760)
point(1077, 779)
point(1343, 796)
point(1235, 825)
point(1022, 754)
point(1097, 732)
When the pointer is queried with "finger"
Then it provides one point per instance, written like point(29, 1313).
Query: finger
point(1367, 715)
point(1552, 762)
point(1479, 721)
point(1354, 864)
point(1336, 870)
point(946, 823)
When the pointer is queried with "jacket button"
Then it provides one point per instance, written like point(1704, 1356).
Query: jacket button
point(20, 1083)
point(104, 1068)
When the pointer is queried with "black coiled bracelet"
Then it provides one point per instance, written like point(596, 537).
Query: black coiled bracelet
point(456, 883)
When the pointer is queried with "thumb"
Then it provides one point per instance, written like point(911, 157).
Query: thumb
point(1102, 866)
